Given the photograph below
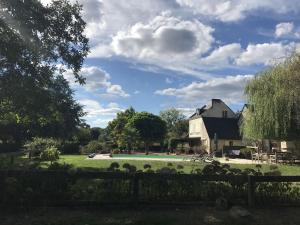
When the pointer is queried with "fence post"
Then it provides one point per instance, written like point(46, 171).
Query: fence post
point(136, 188)
point(251, 191)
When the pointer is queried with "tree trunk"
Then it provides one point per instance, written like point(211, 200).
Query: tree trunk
point(147, 148)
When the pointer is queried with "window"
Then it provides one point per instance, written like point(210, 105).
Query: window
point(224, 114)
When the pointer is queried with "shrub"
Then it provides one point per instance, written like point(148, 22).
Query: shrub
point(273, 167)
point(180, 167)
point(116, 151)
point(9, 147)
point(147, 166)
point(114, 167)
point(91, 147)
point(50, 154)
point(69, 147)
point(245, 153)
point(38, 145)
point(58, 166)
point(129, 168)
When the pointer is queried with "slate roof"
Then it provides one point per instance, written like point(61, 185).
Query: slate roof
point(225, 128)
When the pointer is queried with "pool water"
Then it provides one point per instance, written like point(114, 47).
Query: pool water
point(147, 156)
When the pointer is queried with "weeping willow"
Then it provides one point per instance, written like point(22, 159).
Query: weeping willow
point(273, 98)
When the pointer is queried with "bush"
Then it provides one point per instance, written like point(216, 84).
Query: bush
point(9, 147)
point(69, 147)
point(58, 166)
point(147, 166)
point(245, 153)
point(38, 145)
point(50, 154)
point(91, 147)
point(116, 151)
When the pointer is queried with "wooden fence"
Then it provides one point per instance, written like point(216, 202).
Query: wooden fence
point(138, 188)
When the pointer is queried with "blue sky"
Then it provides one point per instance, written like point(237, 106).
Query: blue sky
point(157, 54)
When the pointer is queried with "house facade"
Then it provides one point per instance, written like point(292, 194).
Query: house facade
point(215, 127)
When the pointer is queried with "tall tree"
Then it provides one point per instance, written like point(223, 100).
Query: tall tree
point(35, 41)
point(274, 103)
point(117, 127)
point(177, 124)
point(150, 128)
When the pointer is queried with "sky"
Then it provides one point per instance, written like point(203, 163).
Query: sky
point(157, 54)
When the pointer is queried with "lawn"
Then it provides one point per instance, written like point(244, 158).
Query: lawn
point(149, 216)
point(80, 161)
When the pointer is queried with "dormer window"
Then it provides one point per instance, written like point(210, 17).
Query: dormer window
point(224, 114)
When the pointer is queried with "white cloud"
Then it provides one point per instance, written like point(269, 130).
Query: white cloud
point(229, 88)
point(96, 80)
point(165, 38)
point(168, 80)
point(264, 53)
point(136, 92)
point(283, 29)
point(234, 10)
point(116, 90)
point(98, 115)
point(186, 111)
point(223, 55)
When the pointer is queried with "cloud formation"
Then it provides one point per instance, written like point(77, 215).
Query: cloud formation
point(97, 114)
point(283, 29)
point(97, 80)
point(163, 37)
point(229, 88)
point(265, 53)
point(235, 10)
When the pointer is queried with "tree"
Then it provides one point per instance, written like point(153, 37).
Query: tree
point(83, 135)
point(35, 42)
point(116, 128)
point(176, 122)
point(150, 128)
point(274, 103)
point(95, 132)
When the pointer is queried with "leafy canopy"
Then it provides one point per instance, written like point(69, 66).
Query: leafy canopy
point(150, 128)
point(177, 125)
point(35, 42)
point(274, 102)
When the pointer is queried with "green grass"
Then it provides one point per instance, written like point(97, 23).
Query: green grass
point(80, 161)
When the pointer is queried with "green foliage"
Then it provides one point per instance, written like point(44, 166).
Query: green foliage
point(116, 151)
point(60, 167)
point(9, 147)
point(177, 126)
point(274, 103)
point(150, 128)
point(91, 147)
point(95, 133)
point(50, 154)
point(69, 147)
point(35, 41)
point(245, 153)
point(39, 145)
point(120, 133)
point(83, 135)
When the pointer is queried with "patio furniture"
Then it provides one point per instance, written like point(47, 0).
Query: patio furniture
point(283, 157)
point(257, 155)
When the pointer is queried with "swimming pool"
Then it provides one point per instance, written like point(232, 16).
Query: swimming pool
point(149, 156)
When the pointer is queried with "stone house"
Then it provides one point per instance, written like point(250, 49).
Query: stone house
point(215, 127)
